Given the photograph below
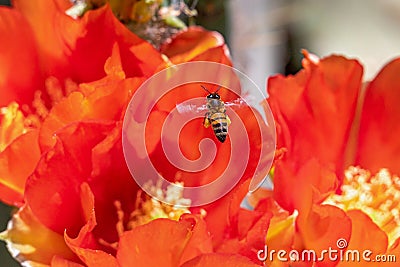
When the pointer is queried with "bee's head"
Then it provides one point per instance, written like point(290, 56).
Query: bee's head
point(213, 96)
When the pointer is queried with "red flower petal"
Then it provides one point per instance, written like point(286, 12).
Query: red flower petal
point(191, 135)
point(31, 239)
point(220, 212)
point(12, 124)
point(200, 241)
point(378, 145)
point(220, 260)
point(394, 250)
point(53, 44)
point(163, 242)
point(321, 228)
point(75, 39)
point(189, 44)
point(252, 228)
point(19, 66)
point(17, 162)
point(84, 245)
point(291, 186)
point(19, 154)
point(103, 102)
point(363, 229)
point(85, 152)
point(314, 109)
point(58, 261)
point(104, 99)
point(219, 54)
point(233, 229)
point(53, 190)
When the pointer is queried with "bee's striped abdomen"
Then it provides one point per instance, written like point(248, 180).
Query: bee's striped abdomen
point(219, 124)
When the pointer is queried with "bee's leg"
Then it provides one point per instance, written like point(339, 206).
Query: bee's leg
point(228, 120)
point(206, 121)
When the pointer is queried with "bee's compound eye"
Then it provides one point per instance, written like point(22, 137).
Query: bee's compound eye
point(215, 96)
point(210, 96)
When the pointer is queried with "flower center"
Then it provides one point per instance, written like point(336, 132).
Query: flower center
point(377, 196)
point(149, 208)
point(43, 100)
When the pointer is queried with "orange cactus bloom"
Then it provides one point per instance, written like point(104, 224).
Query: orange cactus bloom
point(327, 122)
point(73, 188)
point(43, 41)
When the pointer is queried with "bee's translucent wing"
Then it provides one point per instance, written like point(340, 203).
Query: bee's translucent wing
point(183, 108)
point(240, 102)
point(237, 103)
point(198, 106)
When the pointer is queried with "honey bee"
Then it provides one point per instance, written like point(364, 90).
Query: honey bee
point(216, 115)
point(214, 110)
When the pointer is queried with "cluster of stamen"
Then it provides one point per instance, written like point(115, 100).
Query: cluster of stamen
point(167, 204)
point(377, 196)
point(55, 91)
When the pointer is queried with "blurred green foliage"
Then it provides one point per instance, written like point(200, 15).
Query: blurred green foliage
point(5, 257)
point(5, 2)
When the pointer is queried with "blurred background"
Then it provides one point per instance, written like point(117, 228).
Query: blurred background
point(265, 37)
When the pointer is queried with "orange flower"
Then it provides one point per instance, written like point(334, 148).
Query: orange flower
point(72, 186)
point(42, 41)
point(327, 122)
point(197, 45)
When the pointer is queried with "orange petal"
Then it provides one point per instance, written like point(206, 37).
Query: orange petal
point(363, 228)
point(58, 261)
point(19, 154)
point(394, 254)
point(194, 41)
point(100, 100)
point(84, 244)
point(104, 99)
point(316, 107)
point(312, 109)
point(321, 228)
point(220, 260)
point(67, 44)
point(220, 212)
point(30, 239)
point(12, 124)
point(53, 190)
point(378, 145)
point(19, 66)
point(292, 186)
point(17, 162)
point(162, 242)
point(219, 54)
point(90, 153)
point(200, 241)
point(281, 229)
point(49, 24)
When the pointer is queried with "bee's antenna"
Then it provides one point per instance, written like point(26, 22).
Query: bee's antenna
point(205, 89)
point(217, 90)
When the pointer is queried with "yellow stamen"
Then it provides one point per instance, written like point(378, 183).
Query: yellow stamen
point(148, 209)
point(377, 196)
point(55, 91)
